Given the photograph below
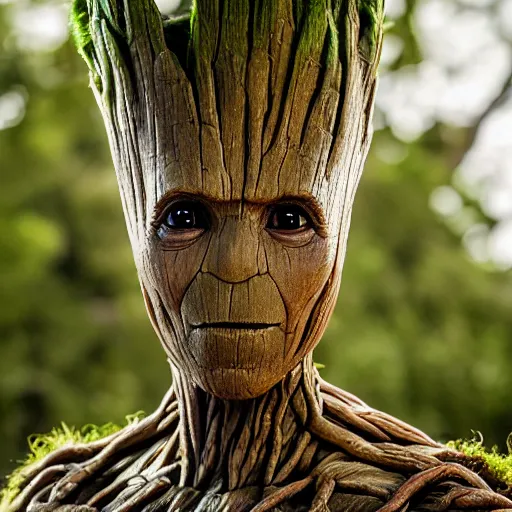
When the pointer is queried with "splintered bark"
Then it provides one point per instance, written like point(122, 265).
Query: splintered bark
point(259, 112)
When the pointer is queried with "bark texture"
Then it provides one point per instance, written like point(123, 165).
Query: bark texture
point(246, 103)
point(305, 445)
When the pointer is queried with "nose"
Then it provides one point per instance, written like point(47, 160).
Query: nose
point(232, 254)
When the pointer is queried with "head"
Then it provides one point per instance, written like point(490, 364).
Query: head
point(237, 167)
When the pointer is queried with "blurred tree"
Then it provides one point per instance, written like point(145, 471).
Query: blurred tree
point(420, 330)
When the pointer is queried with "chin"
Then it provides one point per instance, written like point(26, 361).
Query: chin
point(237, 364)
point(237, 383)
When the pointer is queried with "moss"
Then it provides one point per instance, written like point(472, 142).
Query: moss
point(371, 19)
point(41, 445)
point(498, 464)
point(80, 28)
point(315, 26)
point(193, 15)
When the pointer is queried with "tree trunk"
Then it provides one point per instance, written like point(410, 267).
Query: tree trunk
point(238, 136)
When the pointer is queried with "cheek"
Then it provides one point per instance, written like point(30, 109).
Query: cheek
point(300, 273)
point(173, 271)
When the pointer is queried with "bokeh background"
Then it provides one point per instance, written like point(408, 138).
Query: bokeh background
point(423, 326)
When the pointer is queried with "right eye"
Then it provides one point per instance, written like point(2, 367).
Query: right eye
point(186, 215)
point(183, 222)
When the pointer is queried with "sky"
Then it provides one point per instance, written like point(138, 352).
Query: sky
point(467, 50)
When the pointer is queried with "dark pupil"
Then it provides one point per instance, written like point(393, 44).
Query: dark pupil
point(182, 217)
point(288, 219)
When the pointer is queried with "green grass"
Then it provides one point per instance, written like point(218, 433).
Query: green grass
point(40, 445)
point(499, 464)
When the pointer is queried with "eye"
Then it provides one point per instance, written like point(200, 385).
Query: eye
point(186, 215)
point(288, 217)
point(183, 222)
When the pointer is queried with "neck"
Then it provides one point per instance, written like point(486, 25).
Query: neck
point(228, 444)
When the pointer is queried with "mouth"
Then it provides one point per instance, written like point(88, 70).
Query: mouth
point(251, 326)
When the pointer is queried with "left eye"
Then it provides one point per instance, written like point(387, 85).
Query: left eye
point(288, 217)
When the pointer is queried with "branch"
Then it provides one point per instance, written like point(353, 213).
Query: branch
point(473, 132)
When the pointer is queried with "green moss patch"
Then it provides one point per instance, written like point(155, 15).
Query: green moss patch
point(79, 24)
point(498, 464)
point(41, 445)
point(371, 19)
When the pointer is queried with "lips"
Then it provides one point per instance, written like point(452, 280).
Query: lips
point(234, 325)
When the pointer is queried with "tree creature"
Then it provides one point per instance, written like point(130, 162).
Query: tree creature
point(239, 134)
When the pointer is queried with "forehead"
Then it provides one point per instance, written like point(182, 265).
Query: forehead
point(262, 184)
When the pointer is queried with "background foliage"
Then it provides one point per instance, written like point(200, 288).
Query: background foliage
point(423, 326)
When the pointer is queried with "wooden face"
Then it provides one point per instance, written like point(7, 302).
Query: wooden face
point(237, 167)
point(239, 286)
point(238, 199)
